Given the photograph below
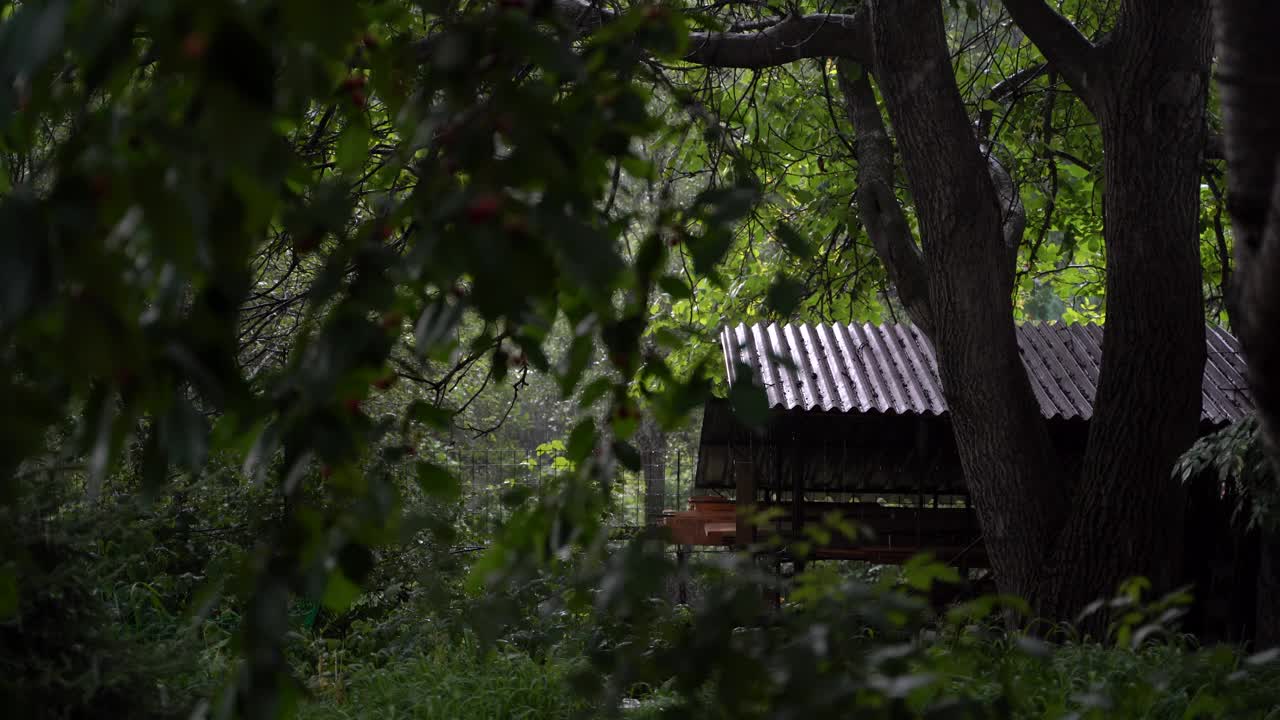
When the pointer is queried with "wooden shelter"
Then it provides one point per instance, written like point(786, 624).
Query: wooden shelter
point(858, 430)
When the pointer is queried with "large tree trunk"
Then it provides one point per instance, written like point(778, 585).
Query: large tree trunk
point(1060, 541)
point(1004, 445)
point(1249, 77)
point(1127, 519)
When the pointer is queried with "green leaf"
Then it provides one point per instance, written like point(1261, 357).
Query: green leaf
point(436, 325)
point(424, 412)
point(793, 241)
point(785, 295)
point(749, 402)
point(582, 440)
point(516, 496)
point(595, 390)
point(352, 151)
point(340, 592)
point(438, 482)
point(675, 288)
point(724, 205)
point(627, 455)
point(922, 571)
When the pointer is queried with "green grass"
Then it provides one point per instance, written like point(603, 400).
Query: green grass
point(1092, 681)
point(1080, 681)
point(455, 683)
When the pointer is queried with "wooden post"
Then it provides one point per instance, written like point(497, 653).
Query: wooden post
point(682, 588)
point(744, 503)
point(797, 509)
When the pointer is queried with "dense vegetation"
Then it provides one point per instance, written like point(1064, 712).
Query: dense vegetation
point(281, 280)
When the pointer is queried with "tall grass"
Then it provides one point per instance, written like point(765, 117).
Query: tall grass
point(454, 683)
point(1087, 680)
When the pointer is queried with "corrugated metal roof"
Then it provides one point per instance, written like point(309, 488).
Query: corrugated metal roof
point(892, 368)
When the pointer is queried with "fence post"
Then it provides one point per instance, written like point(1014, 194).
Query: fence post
point(679, 453)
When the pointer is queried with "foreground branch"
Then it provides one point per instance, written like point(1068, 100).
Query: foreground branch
point(794, 38)
point(1069, 52)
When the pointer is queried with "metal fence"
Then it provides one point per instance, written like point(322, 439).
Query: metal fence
point(488, 476)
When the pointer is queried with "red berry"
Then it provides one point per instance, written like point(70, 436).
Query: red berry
point(325, 471)
point(358, 98)
point(483, 208)
point(354, 82)
point(655, 12)
point(370, 41)
point(504, 124)
point(410, 450)
point(458, 292)
point(385, 381)
point(101, 184)
point(384, 231)
point(516, 225)
point(446, 134)
point(303, 244)
point(194, 45)
point(353, 406)
point(392, 320)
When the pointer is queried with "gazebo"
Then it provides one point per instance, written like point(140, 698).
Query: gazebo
point(858, 430)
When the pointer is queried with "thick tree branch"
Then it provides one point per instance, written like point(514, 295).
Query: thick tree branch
point(1069, 52)
point(878, 207)
point(1013, 215)
point(794, 38)
point(1016, 82)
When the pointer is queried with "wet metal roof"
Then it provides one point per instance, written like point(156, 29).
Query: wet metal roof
point(892, 369)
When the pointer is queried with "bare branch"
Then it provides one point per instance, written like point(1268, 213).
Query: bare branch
point(1069, 52)
point(1013, 215)
point(791, 38)
point(1016, 82)
point(878, 206)
point(794, 38)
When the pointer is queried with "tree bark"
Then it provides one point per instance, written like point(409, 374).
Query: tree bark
point(878, 208)
point(1151, 108)
point(1004, 445)
point(1249, 79)
point(1057, 540)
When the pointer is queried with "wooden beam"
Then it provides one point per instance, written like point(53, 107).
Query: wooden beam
point(744, 502)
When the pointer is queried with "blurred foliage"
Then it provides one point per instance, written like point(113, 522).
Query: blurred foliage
point(1236, 458)
point(275, 270)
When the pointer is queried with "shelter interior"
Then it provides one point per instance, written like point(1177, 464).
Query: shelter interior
point(858, 437)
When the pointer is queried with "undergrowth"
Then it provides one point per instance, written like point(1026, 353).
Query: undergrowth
point(449, 682)
point(113, 627)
